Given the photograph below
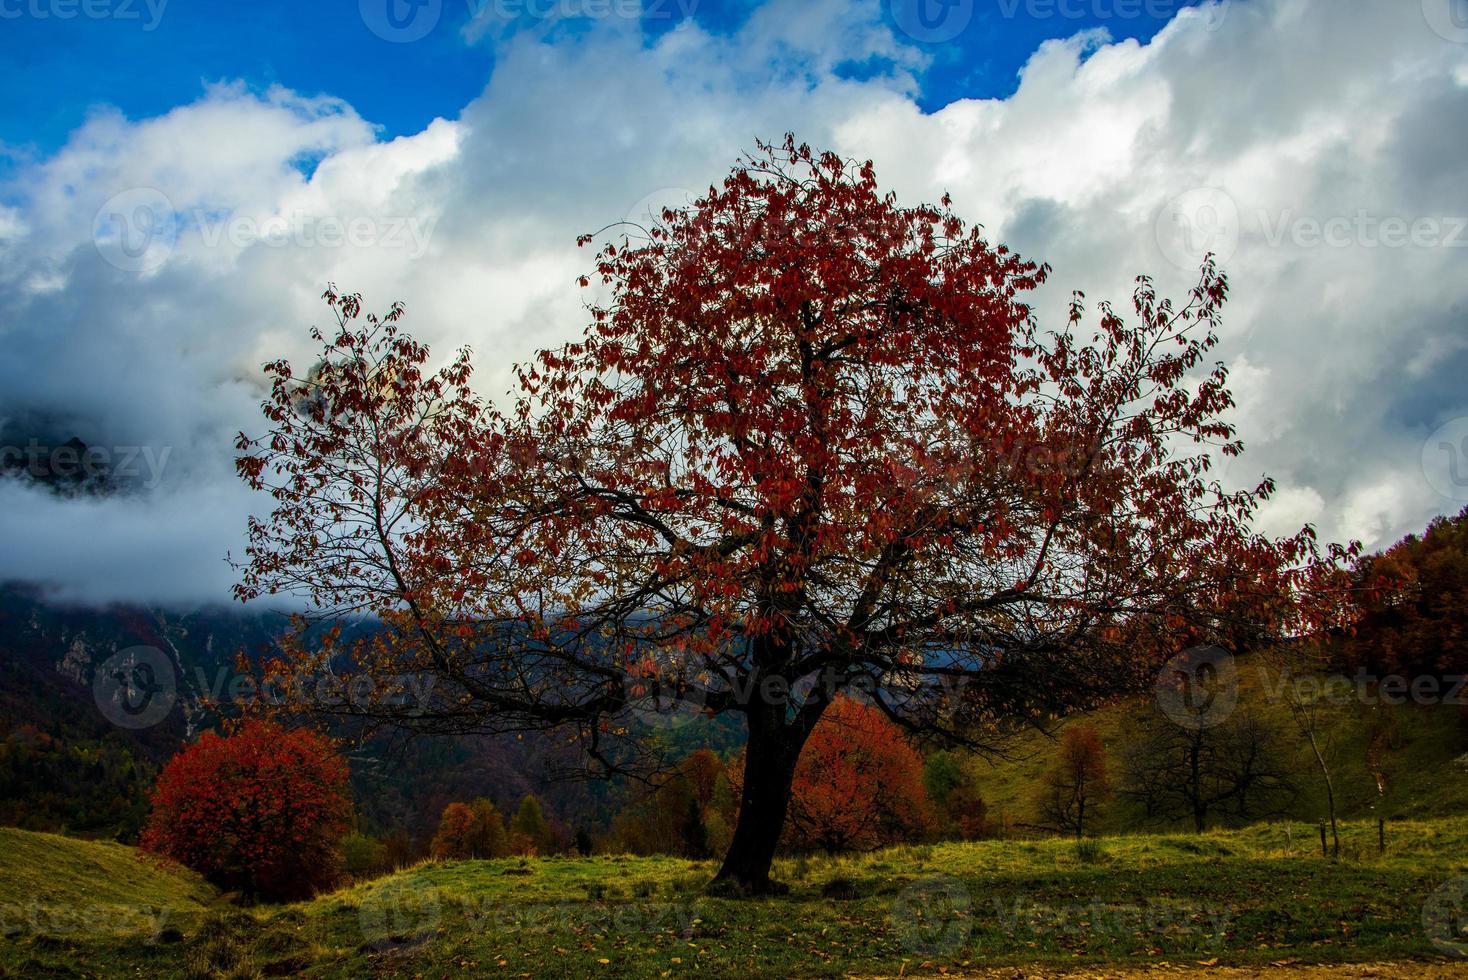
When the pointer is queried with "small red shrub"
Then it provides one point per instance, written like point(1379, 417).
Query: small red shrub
point(262, 811)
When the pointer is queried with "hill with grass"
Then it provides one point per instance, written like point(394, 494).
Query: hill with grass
point(1419, 751)
point(1259, 896)
point(57, 890)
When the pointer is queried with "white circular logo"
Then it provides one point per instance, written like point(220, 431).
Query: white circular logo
point(932, 21)
point(933, 917)
point(1448, 19)
point(400, 913)
point(136, 687)
point(1445, 919)
point(1445, 459)
point(1199, 688)
point(1194, 224)
point(135, 230)
point(400, 21)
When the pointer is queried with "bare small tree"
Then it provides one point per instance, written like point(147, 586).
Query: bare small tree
point(1235, 768)
point(1308, 710)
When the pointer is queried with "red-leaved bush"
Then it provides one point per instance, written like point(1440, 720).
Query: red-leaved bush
point(859, 784)
point(262, 811)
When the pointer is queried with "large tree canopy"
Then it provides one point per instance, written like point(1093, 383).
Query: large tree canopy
point(812, 441)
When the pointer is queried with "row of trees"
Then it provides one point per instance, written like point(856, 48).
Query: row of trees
point(1170, 772)
point(265, 810)
point(860, 785)
point(476, 830)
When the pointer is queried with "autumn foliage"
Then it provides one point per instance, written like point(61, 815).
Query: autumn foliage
point(1411, 602)
point(809, 433)
point(470, 830)
point(689, 811)
point(262, 811)
point(859, 784)
point(1076, 783)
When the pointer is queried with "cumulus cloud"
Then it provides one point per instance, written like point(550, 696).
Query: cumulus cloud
point(1315, 144)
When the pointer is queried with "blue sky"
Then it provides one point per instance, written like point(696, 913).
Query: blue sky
point(146, 56)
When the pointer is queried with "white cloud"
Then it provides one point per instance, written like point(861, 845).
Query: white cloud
point(1293, 113)
point(1290, 509)
point(168, 546)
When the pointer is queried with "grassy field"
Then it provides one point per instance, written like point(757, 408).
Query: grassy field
point(1426, 769)
point(1255, 896)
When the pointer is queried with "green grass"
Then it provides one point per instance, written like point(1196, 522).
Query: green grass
point(92, 877)
point(1249, 896)
point(58, 894)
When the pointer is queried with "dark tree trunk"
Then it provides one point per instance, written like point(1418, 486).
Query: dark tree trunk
point(769, 772)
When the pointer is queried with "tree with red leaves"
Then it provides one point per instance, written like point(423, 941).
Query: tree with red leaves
point(262, 811)
point(859, 784)
point(470, 831)
point(1411, 600)
point(813, 441)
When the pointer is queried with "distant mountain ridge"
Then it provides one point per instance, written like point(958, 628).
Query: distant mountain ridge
point(54, 732)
